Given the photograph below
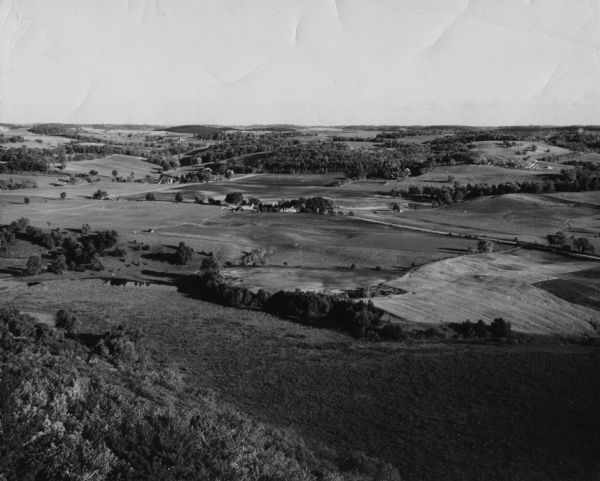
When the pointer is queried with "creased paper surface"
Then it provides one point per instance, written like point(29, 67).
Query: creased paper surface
point(305, 61)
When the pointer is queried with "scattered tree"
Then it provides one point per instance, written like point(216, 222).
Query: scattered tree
point(66, 320)
point(582, 244)
point(558, 239)
point(485, 246)
point(63, 195)
point(26, 200)
point(100, 195)
point(210, 265)
point(500, 328)
point(179, 197)
point(184, 254)
point(34, 266)
point(59, 265)
point(234, 198)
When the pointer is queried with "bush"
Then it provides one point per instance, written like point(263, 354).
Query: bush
point(63, 195)
point(184, 254)
point(150, 196)
point(100, 195)
point(34, 266)
point(234, 198)
point(66, 320)
point(485, 246)
point(179, 197)
point(59, 265)
point(500, 328)
point(26, 200)
point(210, 265)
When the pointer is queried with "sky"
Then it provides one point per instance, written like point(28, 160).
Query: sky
point(308, 62)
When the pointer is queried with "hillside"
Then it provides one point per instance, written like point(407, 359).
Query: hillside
point(487, 286)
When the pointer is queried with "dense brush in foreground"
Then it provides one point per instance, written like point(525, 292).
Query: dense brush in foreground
point(90, 407)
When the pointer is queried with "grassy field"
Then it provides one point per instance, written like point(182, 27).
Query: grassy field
point(487, 286)
point(477, 174)
point(495, 152)
point(362, 195)
point(122, 216)
point(325, 241)
point(592, 157)
point(591, 197)
point(527, 217)
point(437, 412)
point(31, 140)
point(123, 164)
point(267, 187)
point(273, 279)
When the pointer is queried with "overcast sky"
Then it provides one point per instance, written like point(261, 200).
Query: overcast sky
point(314, 62)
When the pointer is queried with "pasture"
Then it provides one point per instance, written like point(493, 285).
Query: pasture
point(31, 140)
point(523, 216)
point(123, 164)
point(367, 194)
point(521, 153)
point(477, 174)
point(289, 278)
point(318, 241)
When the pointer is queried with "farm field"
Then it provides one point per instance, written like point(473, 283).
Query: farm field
point(514, 406)
point(592, 157)
point(325, 241)
point(31, 140)
point(591, 197)
point(122, 216)
point(123, 164)
point(128, 135)
point(50, 186)
point(273, 279)
point(267, 187)
point(495, 152)
point(496, 285)
point(478, 174)
point(524, 216)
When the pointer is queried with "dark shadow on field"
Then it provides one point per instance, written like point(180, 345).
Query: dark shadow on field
point(453, 250)
point(174, 278)
point(13, 271)
point(573, 292)
point(169, 257)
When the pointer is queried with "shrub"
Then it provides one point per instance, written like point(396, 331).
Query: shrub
point(184, 254)
point(500, 328)
point(26, 200)
point(150, 196)
point(179, 197)
point(234, 198)
point(486, 246)
point(210, 265)
point(100, 194)
point(59, 265)
point(66, 320)
point(63, 195)
point(34, 266)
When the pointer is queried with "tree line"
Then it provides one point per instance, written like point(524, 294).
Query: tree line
point(573, 180)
